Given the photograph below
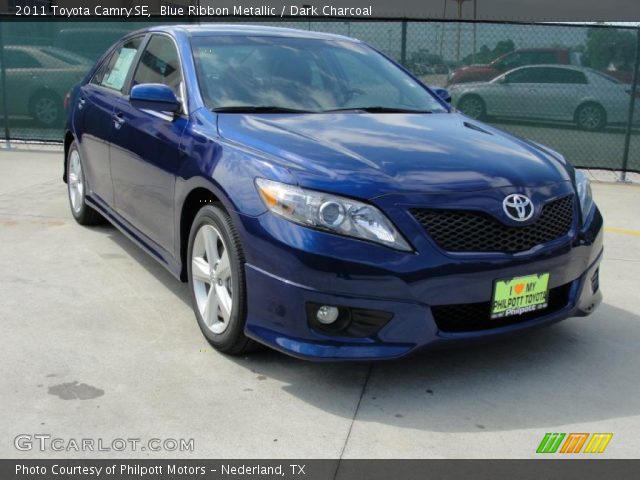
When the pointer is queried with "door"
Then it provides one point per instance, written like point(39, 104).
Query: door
point(561, 91)
point(23, 73)
point(145, 152)
point(94, 114)
point(514, 94)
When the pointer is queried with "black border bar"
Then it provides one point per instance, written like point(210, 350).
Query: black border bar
point(298, 469)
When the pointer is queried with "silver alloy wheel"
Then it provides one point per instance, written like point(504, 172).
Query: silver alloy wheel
point(590, 117)
point(212, 278)
point(472, 107)
point(76, 181)
point(46, 110)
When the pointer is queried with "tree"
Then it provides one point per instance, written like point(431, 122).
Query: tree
point(487, 55)
point(610, 47)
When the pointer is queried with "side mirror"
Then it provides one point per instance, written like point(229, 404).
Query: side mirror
point(443, 93)
point(155, 97)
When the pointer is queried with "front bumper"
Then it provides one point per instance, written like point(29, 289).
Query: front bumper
point(289, 266)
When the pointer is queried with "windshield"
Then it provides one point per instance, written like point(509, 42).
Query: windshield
point(299, 74)
point(606, 77)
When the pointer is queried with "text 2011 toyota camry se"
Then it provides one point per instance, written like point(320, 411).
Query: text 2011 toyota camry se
point(322, 201)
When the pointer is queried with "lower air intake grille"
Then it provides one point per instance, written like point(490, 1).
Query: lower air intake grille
point(473, 317)
point(471, 231)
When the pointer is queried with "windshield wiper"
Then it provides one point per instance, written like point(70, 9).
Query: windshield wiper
point(257, 109)
point(377, 109)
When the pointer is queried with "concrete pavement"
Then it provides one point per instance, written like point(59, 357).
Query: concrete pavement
point(99, 341)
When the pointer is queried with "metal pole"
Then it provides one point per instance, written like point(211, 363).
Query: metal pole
point(632, 102)
point(475, 19)
point(403, 45)
point(444, 16)
point(3, 76)
point(459, 27)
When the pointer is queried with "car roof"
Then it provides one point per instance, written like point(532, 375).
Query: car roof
point(209, 29)
point(553, 65)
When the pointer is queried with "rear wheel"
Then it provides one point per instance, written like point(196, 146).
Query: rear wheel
point(216, 280)
point(591, 117)
point(473, 106)
point(77, 189)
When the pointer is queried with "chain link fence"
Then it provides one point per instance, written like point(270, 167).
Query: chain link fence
point(570, 87)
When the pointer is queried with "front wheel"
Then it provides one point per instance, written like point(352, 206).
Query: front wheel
point(473, 106)
point(217, 282)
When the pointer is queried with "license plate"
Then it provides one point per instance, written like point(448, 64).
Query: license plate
point(520, 295)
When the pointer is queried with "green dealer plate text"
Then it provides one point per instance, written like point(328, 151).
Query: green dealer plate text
point(520, 295)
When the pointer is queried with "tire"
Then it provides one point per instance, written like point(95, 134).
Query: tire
point(473, 106)
point(221, 313)
point(77, 189)
point(591, 117)
point(46, 109)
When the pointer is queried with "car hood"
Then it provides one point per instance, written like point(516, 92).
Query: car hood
point(476, 69)
point(367, 155)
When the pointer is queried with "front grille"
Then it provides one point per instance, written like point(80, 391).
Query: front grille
point(471, 231)
point(473, 317)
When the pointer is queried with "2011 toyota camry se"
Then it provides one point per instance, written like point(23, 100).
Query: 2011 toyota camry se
point(321, 200)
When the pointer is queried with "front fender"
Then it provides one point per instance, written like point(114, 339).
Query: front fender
point(225, 169)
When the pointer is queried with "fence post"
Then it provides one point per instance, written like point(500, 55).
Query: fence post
point(632, 102)
point(403, 44)
point(3, 76)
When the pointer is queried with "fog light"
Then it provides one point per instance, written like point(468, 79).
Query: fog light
point(327, 314)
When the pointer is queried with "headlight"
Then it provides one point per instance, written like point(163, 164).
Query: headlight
point(331, 213)
point(583, 186)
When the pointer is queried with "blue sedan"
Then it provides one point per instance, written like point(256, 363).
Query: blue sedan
point(320, 200)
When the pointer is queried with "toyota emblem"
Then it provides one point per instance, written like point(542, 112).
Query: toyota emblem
point(518, 207)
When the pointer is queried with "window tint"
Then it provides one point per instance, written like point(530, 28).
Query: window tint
point(525, 75)
point(360, 77)
point(510, 61)
point(562, 75)
point(19, 59)
point(160, 63)
point(520, 59)
point(606, 77)
point(543, 57)
point(64, 56)
point(113, 72)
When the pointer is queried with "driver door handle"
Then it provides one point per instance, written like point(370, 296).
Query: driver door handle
point(118, 120)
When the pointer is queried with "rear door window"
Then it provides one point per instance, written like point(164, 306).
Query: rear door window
point(526, 75)
point(114, 72)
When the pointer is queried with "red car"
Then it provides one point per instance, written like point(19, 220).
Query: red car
point(511, 60)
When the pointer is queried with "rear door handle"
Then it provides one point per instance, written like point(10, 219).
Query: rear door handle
point(118, 120)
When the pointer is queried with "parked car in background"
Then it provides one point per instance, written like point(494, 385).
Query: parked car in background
point(582, 95)
point(90, 43)
point(38, 78)
point(511, 60)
